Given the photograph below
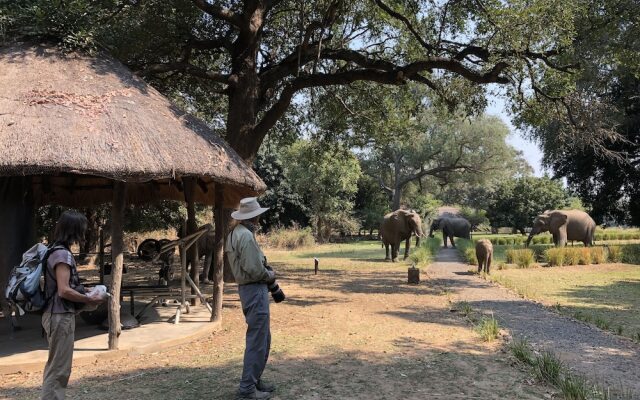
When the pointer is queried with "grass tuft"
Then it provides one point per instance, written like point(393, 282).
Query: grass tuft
point(488, 328)
point(523, 258)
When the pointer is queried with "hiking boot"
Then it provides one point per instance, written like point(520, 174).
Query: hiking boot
point(265, 386)
point(256, 394)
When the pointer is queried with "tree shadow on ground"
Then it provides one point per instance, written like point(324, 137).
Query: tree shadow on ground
point(422, 372)
point(431, 315)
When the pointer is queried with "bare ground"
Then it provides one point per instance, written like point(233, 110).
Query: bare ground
point(594, 353)
point(343, 334)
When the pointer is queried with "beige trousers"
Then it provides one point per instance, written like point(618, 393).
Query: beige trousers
point(60, 329)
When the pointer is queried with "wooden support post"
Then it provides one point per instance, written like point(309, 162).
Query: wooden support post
point(117, 246)
point(101, 256)
point(218, 254)
point(316, 263)
point(192, 226)
point(183, 281)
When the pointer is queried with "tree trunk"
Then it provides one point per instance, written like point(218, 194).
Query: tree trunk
point(397, 196)
point(117, 245)
point(192, 226)
point(218, 254)
point(244, 92)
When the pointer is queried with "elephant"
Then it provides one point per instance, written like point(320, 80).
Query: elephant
point(565, 225)
point(451, 227)
point(484, 255)
point(398, 226)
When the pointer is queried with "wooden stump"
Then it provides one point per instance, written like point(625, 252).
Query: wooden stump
point(413, 274)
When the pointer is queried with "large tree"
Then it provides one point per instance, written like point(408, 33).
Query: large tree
point(248, 59)
point(608, 47)
point(516, 202)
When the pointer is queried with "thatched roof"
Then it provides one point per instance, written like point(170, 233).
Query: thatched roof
point(73, 120)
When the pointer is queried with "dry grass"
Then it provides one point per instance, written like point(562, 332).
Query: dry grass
point(606, 295)
point(355, 330)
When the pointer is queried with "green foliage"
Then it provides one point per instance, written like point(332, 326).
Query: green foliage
point(290, 238)
point(327, 180)
point(523, 258)
point(427, 251)
point(488, 329)
point(286, 207)
point(475, 217)
point(516, 202)
point(467, 250)
point(371, 203)
point(156, 216)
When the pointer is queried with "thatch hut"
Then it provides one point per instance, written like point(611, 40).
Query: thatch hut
point(80, 130)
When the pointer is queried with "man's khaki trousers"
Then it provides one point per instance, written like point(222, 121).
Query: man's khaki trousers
point(60, 329)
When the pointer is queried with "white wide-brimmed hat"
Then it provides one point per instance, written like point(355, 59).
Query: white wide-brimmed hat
point(249, 208)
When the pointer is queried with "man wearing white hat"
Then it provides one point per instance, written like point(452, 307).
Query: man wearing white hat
point(247, 263)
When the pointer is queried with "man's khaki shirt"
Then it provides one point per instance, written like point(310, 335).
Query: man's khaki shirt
point(245, 257)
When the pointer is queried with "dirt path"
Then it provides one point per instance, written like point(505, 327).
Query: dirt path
point(586, 349)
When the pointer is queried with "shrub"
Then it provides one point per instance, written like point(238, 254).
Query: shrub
point(615, 253)
point(631, 254)
point(291, 238)
point(501, 241)
point(426, 252)
point(571, 256)
point(598, 256)
point(584, 256)
point(555, 257)
point(524, 258)
point(470, 256)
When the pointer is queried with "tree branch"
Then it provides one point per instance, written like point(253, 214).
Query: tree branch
point(219, 12)
point(188, 68)
point(406, 22)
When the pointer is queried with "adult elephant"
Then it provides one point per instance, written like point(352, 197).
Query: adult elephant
point(398, 226)
point(451, 227)
point(565, 225)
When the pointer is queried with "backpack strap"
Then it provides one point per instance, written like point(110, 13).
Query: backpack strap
point(45, 260)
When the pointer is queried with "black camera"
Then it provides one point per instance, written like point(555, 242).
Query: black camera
point(274, 288)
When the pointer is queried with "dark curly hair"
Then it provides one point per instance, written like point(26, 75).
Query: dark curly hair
point(70, 228)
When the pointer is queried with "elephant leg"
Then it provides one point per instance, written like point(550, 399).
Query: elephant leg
point(488, 263)
point(386, 250)
point(479, 265)
point(394, 251)
point(453, 244)
point(407, 244)
point(444, 238)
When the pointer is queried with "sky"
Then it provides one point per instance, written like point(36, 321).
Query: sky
point(532, 153)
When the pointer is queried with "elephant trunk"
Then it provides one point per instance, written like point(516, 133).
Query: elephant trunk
point(531, 235)
point(431, 229)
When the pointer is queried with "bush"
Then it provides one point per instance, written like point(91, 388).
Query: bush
point(291, 238)
point(501, 241)
point(555, 257)
point(631, 254)
point(598, 256)
point(523, 258)
point(470, 256)
point(571, 256)
point(584, 256)
point(615, 253)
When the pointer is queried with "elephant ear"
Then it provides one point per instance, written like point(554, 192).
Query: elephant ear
point(557, 220)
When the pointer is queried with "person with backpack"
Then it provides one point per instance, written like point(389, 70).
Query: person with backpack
point(65, 295)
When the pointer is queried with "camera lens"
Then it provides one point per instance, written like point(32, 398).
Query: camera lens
point(276, 292)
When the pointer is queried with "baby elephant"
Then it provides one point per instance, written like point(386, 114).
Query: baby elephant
point(484, 254)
